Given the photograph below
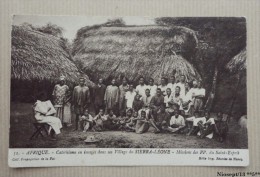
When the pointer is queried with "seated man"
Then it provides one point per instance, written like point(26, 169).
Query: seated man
point(142, 123)
point(99, 120)
point(194, 129)
point(177, 123)
point(44, 112)
point(86, 121)
point(111, 121)
point(221, 128)
point(160, 120)
point(207, 128)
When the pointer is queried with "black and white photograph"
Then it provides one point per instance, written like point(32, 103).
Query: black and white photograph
point(128, 82)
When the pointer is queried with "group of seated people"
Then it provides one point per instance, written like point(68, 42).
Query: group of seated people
point(171, 119)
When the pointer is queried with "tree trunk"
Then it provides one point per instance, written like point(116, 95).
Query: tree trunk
point(209, 103)
point(235, 94)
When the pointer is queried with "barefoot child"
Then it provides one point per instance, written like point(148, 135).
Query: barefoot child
point(99, 120)
point(142, 124)
point(86, 121)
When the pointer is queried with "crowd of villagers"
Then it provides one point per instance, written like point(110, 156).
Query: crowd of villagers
point(173, 107)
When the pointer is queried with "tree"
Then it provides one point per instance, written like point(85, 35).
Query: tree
point(219, 40)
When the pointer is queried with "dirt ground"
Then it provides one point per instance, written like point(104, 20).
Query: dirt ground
point(21, 128)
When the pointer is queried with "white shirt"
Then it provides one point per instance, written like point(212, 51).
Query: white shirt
point(182, 88)
point(140, 89)
point(167, 99)
point(163, 89)
point(152, 89)
point(196, 120)
point(130, 96)
point(172, 87)
point(178, 121)
point(188, 96)
point(198, 91)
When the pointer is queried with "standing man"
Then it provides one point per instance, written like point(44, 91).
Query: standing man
point(163, 85)
point(172, 84)
point(199, 94)
point(122, 91)
point(60, 96)
point(111, 97)
point(152, 87)
point(181, 84)
point(157, 101)
point(99, 92)
point(80, 99)
point(130, 96)
point(147, 98)
point(140, 89)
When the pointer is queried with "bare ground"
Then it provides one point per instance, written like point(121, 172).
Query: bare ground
point(21, 129)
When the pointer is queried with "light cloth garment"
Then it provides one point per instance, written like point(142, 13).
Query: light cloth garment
point(43, 111)
point(122, 91)
point(111, 96)
point(130, 96)
point(140, 89)
point(152, 89)
point(163, 89)
point(196, 120)
point(182, 89)
point(167, 99)
point(177, 121)
point(172, 87)
point(67, 114)
point(60, 95)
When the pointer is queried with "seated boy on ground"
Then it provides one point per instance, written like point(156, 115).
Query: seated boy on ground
point(99, 120)
point(177, 123)
point(111, 121)
point(86, 121)
point(142, 123)
point(194, 121)
point(131, 120)
point(160, 119)
point(221, 128)
point(206, 128)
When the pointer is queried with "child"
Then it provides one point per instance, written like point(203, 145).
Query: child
point(86, 121)
point(111, 122)
point(195, 120)
point(131, 120)
point(138, 103)
point(142, 124)
point(221, 127)
point(99, 121)
point(206, 128)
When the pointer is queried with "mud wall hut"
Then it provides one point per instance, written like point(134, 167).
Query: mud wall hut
point(37, 61)
point(134, 51)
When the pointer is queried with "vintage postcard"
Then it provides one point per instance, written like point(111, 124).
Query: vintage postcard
point(128, 91)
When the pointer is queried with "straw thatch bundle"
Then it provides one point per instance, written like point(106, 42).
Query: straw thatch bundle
point(238, 62)
point(41, 57)
point(131, 51)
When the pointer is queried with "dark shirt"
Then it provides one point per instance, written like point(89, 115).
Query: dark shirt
point(162, 116)
point(157, 101)
point(99, 92)
point(137, 105)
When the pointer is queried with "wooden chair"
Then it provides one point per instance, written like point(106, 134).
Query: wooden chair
point(39, 128)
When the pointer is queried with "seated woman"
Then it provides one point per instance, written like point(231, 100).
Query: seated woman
point(142, 123)
point(131, 120)
point(44, 111)
point(86, 121)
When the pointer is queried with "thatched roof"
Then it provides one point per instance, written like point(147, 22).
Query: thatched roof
point(238, 62)
point(39, 56)
point(132, 51)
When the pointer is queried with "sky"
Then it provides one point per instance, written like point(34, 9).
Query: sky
point(71, 24)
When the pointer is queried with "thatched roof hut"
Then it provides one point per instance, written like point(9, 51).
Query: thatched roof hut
point(238, 63)
point(134, 51)
point(41, 57)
